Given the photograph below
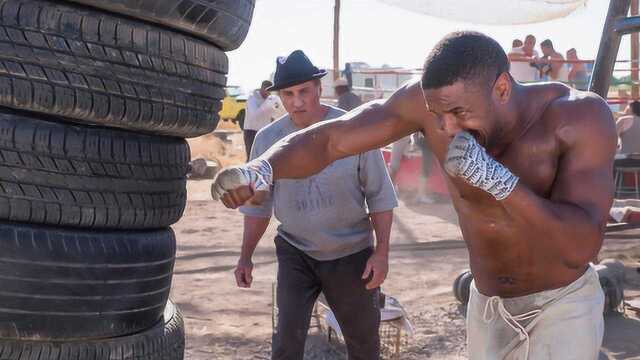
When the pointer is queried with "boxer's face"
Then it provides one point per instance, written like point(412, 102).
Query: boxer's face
point(302, 101)
point(468, 106)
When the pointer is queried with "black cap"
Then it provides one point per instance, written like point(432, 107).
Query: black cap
point(293, 70)
point(266, 84)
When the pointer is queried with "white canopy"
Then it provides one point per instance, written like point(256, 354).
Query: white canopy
point(492, 12)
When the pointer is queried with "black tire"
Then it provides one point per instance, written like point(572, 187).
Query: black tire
point(89, 66)
point(462, 286)
point(66, 284)
point(58, 174)
point(164, 341)
point(224, 23)
point(611, 276)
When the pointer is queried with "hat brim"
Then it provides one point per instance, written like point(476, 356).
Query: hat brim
point(293, 82)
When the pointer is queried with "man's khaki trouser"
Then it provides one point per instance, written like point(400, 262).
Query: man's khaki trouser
point(559, 324)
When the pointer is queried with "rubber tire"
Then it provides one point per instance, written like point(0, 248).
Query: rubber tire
point(58, 174)
point(462, 286)
point(61, 284)
point(611, 276)
point(224, 23)
point(164, 341)
point(89, 66)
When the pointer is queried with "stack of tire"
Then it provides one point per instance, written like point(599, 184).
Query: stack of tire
point(96, 98)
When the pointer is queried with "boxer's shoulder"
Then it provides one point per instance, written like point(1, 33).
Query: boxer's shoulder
point(579, 115)
point(409, 103)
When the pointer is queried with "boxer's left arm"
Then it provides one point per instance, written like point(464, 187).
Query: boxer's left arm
point(570, 223)
point(573, 219)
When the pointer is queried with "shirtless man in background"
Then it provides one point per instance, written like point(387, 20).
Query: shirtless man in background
point(530, 176)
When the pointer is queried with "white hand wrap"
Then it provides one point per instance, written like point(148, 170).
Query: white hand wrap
point(469, 160)
point(258, 174)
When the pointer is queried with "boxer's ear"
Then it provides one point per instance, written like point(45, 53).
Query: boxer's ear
point(502, 88)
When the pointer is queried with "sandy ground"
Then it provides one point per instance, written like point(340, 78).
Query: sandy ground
point(224, 322)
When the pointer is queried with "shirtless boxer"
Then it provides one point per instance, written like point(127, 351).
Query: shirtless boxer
point(530, 176)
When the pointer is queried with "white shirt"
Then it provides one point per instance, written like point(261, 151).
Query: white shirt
point(260, 111)
point(521, 70)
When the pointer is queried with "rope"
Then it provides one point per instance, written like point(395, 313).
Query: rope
point(511, 320)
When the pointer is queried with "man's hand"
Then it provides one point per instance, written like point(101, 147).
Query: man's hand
point(378, 265)
point(244, 268)
point(469, 160)
point(236, 185)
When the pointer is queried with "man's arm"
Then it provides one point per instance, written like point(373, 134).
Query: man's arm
point(307, 152)
point(267, 107)
point(574, 217)
point(378, 263)
point(368, 127)
point(254, 229)
point(381, 200)
point(623, 124)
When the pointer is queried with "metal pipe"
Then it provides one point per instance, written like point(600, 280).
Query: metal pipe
point(627, 25)
point(635, 54)
point(608, 50)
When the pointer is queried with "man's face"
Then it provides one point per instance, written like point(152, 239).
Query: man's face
point(302, 101)
point(529, 43)
point(465, 106)
point(572, 55)
point(546, 50)
point(264, 92)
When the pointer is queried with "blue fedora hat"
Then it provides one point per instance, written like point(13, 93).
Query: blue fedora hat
point(293, 70)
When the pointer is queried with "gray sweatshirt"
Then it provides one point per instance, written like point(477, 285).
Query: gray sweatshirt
point(326, 215)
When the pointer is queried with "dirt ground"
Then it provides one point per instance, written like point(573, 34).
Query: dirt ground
point(224, 322)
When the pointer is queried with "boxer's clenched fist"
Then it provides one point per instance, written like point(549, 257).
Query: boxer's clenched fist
point(236, 185)
point(469, 160)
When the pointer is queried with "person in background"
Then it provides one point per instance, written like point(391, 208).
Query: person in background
point(347, 73)
point(578, 74)
point(551, 64)
point(262, 109)
point(516, 52)
point(398, 150)
point(522, 58)
point(427, 161)
point(517, 43)
point(628, 129)
point(347, 100)
point(624, 100)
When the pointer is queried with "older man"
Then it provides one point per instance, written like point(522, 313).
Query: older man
point(325, 238)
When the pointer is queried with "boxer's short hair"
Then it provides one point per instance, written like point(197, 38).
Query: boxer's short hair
point(464, 55)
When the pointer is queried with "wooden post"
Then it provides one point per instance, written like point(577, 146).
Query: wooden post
point(336, 40)
point(635, 55)
point(608, 48)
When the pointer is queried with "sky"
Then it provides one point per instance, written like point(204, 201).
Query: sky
point(379, 34)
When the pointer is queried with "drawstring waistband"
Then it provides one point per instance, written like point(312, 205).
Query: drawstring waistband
point(511, 320)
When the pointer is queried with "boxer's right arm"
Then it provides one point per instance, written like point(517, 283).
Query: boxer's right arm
point(368, 127)
point(307, 152)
